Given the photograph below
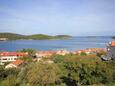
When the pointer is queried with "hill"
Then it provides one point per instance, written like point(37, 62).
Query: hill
point(11, 36)
point(14, 36)
point(63, 36)
point(39, 36)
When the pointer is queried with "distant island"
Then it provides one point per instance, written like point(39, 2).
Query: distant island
point(14, 36)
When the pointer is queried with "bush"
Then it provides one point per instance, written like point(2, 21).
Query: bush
point(41, 74)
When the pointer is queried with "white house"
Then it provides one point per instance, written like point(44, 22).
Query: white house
point(14, 64)
point(62, 52)
point(4, 59)
point(10, 56)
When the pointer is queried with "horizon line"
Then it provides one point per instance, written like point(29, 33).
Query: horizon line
point(55, 34)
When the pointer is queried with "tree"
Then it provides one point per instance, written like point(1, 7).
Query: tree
point(10, 80)
point(85, 70)
point(31, 52)
point(38, 74)
point(83, 54)
point(2, 72)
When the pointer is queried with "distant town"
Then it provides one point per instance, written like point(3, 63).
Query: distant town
point(109, 53)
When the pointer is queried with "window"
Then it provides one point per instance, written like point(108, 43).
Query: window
point(4, 59)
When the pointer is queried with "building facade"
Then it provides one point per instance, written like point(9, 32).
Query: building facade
point(111, 50)
point(10, 56)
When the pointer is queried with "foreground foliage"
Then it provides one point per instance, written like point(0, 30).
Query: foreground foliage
point(69, 70)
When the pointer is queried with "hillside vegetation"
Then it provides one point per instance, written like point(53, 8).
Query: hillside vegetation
point(11, 36)
point(14, 36)
point(68, 70)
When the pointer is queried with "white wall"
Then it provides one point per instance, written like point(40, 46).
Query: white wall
point(4, 59)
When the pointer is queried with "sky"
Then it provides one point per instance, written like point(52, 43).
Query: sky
point(54, 17)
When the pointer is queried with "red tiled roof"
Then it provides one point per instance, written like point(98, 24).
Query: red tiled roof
point(17, 62)
point(113, 43)
point(12, 54)
point(46, 52)
point(82, 51)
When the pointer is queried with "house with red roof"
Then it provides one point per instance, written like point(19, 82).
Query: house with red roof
point(10, 56)
point(45, 53)
point(62, 52)
point(113, 43)
point(89, 51)
point(15, 64)
point(81, 51)
point(96, 50)
point(110, 51)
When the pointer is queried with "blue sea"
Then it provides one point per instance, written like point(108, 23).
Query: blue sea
point(74, 43)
